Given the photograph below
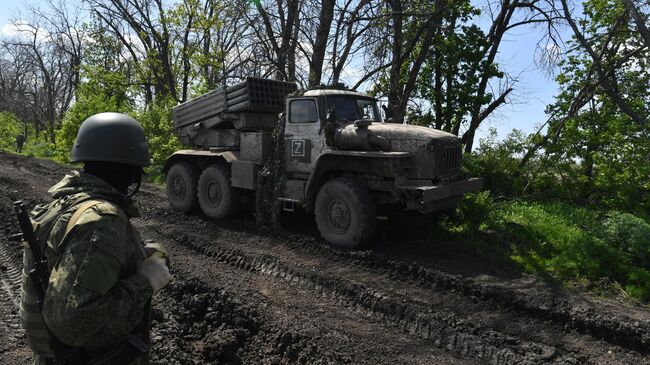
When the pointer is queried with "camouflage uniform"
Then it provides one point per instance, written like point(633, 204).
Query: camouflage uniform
point(95, 296)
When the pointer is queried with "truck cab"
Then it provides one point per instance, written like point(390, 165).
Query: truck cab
point(312, 118)
point(337, 147)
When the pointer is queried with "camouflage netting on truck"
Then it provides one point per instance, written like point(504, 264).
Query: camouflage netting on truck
point(271, 177)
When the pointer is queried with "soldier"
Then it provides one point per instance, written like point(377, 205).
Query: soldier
point(102, 277)
point(20, 140)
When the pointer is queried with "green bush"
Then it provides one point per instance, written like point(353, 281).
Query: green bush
point(497, 162)
point(629, 234)
point(476, 211)
point(571, 243)
point(10, 127)
point(161, 137)
point(40, 147)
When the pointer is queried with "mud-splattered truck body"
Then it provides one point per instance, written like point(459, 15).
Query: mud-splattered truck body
point(338, 160)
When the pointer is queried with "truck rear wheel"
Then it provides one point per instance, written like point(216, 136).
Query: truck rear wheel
point(345, 212)
point(218, 199)
point(181, 182)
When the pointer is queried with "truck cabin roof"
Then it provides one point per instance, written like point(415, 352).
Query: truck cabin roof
point(327, 92)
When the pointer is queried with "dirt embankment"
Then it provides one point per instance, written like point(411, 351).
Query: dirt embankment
point(245, 294)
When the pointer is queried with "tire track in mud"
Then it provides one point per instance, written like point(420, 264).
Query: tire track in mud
point(614, 328)
point(10, 279)
point(10, 283)
point(443, 329)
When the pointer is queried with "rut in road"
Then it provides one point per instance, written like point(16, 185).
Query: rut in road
point(444, 329)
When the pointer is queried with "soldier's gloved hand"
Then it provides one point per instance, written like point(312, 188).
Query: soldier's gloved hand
point(156, 271)
point(156, 249)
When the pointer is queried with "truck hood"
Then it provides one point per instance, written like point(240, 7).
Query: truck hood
point(408, 138)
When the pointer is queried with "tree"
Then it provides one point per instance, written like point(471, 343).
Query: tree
point(320, 24)
point(49, 49)
point(144, 30)
point(351, 36)
point(177, 47)
point(510, 14)
point(635, 13)
point(225, 44)
point(436, 56)
point(16, 77)
point(598, 148)
point(406, 30)
point(609, 54)
point(276, 27)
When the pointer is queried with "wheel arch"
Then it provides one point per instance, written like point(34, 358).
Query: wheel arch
point(331, 165)
point(199, 157)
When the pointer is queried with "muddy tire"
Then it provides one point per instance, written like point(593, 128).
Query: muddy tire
point(345, 212)
point(181, 181)
point(217, 198)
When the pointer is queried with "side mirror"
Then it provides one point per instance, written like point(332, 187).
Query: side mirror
point(362, 123)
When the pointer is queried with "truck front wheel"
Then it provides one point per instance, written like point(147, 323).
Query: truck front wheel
point(181, 182)
point(217, 197)
point(345, 212)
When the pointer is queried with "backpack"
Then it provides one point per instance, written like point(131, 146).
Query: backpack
point(44, 219)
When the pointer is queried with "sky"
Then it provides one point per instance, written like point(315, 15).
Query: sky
point(534, 89)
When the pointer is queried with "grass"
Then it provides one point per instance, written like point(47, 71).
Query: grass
point(602, 249)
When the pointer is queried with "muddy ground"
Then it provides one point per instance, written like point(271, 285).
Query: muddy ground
point(246, 294)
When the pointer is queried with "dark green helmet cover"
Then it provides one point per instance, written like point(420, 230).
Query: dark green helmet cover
point(111, 137)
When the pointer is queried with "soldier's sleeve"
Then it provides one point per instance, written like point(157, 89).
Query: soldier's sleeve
point(91, 300)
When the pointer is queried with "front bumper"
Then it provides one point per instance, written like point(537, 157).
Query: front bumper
point(428, 198)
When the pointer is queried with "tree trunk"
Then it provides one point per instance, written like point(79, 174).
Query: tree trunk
point(495, 35)
point(394, 89)
point(639, 21)
point(320, 44)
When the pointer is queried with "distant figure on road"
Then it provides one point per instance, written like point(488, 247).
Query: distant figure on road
point(20, 141)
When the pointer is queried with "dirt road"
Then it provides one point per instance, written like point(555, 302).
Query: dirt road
point(245, 294)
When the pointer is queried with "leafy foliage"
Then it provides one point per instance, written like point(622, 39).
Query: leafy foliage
point(451, 74)
point(161, 137)
point(93, 97)
point(575, 209)
point(10, 127)
point(497, 162)
point(96, 97)
point(595, 150)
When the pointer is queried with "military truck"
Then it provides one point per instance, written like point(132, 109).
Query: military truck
point(340, 161)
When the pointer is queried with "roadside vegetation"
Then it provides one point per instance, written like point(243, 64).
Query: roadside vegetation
point(559, 219)
point(606, 251)
point(570, 203)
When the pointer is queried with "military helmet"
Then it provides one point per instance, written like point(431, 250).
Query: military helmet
point(111, 137)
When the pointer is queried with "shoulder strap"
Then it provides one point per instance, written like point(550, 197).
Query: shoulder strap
point(75, 216)
point(82, 208)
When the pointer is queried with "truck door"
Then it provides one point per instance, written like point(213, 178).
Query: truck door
point(303, 143)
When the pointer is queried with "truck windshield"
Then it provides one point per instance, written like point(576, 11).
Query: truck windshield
point(348, 109)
